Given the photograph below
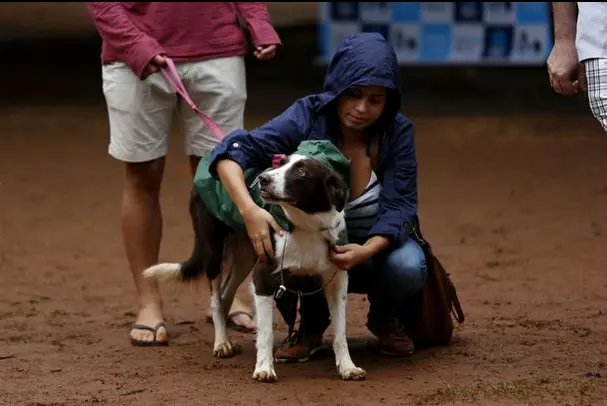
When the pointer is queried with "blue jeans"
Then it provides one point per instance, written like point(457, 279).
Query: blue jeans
point(389, 279)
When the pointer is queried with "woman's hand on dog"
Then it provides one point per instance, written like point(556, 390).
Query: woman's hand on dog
point(348, 256)
point(258, 222)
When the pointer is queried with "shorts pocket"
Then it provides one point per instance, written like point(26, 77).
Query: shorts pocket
point(120, 86)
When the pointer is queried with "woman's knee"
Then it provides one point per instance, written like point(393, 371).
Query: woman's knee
point(405, 269)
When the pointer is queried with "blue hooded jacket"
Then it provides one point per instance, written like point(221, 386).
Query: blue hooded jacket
point(364, 59)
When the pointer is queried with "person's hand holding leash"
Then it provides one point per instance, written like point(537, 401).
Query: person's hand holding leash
point(563, 63)
point(265, 52)
point(348, 256)
point(258, 222)
point(155, 65)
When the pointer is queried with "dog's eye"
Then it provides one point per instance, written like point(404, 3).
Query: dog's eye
point(300, 172)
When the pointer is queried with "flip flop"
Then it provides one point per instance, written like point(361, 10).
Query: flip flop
point(153, 343)
point(234, 326)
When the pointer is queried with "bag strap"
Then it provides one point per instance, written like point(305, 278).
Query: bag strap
point(456, 307)
point(172, 76)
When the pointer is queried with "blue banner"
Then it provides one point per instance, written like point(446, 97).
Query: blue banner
point(450, 33)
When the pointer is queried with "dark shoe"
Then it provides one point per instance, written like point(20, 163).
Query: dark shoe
point(393, 341)
point(298, 349)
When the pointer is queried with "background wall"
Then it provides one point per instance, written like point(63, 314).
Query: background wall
point(61, 34)
point(21, 20)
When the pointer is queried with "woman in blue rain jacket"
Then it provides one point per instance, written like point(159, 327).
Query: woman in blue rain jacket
point(359, 110)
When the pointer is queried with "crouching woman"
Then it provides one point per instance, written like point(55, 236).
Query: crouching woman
point(359, 111)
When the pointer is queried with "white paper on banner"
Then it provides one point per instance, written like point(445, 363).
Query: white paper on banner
point(529, 43)
point(467, 43)
point(405, 38)
point(497, 12)
point(438, 12)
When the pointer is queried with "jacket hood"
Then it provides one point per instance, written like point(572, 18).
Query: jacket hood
point(363, 59)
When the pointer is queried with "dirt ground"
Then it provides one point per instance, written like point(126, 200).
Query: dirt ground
point(514, 205)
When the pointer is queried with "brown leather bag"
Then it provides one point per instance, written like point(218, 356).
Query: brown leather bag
point(430, 320)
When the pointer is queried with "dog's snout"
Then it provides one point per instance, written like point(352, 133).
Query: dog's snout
point(264, 180)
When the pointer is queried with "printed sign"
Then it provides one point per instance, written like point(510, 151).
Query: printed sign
point(467, 32)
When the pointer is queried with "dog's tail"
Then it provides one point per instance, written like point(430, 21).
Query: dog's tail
point(187, 270)
point(207, 253)
point(164, 272)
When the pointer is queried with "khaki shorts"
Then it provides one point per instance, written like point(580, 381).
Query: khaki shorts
point(141, 111)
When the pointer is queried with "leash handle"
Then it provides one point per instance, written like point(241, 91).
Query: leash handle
point(172, 76)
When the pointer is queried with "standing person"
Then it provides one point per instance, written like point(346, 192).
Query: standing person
point(578, 60)
point(208, 46)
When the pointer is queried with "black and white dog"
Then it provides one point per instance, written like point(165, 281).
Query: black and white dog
point(313, 198)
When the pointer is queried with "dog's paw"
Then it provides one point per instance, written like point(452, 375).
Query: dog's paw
point(265, 375)
point(353, 374)
point(225, 350)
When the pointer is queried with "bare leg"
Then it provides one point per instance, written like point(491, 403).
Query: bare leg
point(336, 293)
point(142, 233)
point(242, 319)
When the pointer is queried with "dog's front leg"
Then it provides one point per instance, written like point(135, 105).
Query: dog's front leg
point(264, 286)
point(222, 348)
point(336, 293)
point(264, 367)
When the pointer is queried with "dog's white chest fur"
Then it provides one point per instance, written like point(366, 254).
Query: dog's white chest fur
point(303, 252)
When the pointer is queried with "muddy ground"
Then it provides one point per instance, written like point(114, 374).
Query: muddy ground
point(513, 196)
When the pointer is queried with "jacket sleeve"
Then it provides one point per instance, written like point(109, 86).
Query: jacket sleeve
point(255, 148)
point(398, 196)
point(116, 29)
point(257, 18)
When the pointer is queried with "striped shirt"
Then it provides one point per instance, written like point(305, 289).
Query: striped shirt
point(361, 213)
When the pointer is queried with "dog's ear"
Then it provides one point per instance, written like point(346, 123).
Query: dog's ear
point(337, 190)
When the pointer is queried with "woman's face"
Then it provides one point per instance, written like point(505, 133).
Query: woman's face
point(359, 107)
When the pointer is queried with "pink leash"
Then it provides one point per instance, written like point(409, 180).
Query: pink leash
point(172, 76)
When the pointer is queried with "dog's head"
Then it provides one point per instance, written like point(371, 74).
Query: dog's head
point(304, 183)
